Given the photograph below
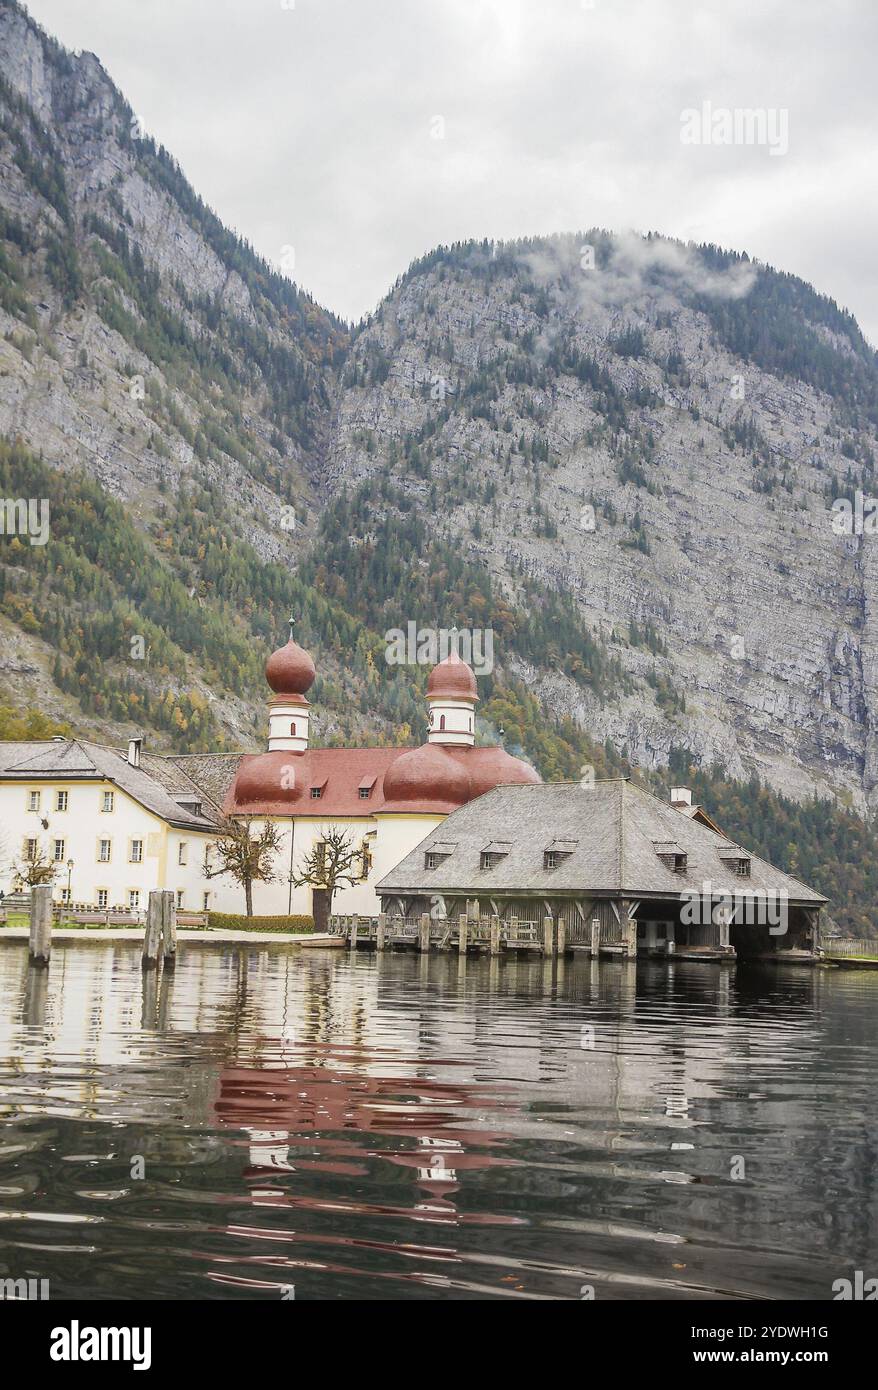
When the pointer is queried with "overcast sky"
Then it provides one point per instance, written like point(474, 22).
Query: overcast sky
point(364, 132)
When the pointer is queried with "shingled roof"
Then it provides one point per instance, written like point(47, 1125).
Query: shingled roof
point(158, 784)
point(612, 829)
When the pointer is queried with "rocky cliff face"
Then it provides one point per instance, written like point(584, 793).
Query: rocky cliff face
point(657, 431)
point(599, 422)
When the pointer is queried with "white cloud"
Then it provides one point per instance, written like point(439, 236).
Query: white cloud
point(311, 126)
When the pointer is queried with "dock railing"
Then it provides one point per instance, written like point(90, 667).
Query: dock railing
point(848, 946)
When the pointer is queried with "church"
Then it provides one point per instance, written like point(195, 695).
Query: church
point(114, 824)
point(384, 799)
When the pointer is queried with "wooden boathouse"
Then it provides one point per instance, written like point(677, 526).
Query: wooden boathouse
point(608, 868)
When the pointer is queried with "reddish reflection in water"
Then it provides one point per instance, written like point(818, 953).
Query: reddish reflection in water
point(276, 1105)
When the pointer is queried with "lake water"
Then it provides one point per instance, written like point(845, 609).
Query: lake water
point(274, 1124)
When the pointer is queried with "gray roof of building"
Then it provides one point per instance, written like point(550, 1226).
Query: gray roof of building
point(613, 826)
point(212, 773)
point(156, 784)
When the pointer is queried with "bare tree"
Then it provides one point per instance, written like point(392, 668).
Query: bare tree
point(247, 857)
point(34, 869)
point(332, 863)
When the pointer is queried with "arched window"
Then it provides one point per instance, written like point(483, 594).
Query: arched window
point(442, 722)
point(293, 730)
point(470, 723)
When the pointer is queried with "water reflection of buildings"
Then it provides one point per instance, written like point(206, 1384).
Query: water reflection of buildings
point(410, 1121)
point(574, 1080)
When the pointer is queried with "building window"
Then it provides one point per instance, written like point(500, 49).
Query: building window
point(741, 867)
point(550, 859)
point(365, 793)
point(179, 897)
point(30, 850)
point(104, 850)
point(292, 730)
point(441, 722)
point(65, 895)
point(33, 801)
point(61, 801)
point(107, 801)
point(316, 793)
point(103, 897)
point(136, 856)
point(58, 853)
point(134, 899)
point(181, 852)
point(205, 901)
point(430, 860)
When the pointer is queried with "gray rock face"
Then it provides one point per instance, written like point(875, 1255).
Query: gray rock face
point(767, 616)
point(705, 513)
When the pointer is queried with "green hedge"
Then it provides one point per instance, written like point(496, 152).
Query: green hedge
point(230, 921)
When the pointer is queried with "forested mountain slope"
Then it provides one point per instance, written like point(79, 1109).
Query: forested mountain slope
point(619, 454)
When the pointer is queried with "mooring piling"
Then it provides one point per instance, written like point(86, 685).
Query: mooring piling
point(169, 930)
point(153, 936)
point(40, 943)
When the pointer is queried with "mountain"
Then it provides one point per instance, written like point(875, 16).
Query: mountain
point(618, 453)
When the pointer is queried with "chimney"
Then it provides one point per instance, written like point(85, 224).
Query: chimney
point(134, 747)
point(681, 796)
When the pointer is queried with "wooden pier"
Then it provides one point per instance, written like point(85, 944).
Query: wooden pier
point(464, 933)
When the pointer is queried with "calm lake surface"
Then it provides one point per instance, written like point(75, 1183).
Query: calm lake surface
point(310, 1125)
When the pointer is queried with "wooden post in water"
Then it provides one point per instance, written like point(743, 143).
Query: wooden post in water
point(40, 947)
point(462, 933)
point(169, 930)
point(153, 935)
point(354, 932)
point(595, 947)
point(495, 934)
point(379, 931)
point(562, 935)
point(548, 937)
point(424, 933)
point(630, 930)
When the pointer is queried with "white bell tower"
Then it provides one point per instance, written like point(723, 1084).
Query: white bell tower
point(452, 698)
point(290, 672)
point(288, 724)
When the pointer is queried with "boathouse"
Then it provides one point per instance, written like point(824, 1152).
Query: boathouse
point(608, 869)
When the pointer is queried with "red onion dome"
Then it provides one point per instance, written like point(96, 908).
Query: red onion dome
point(269, 777)
point(452, 679)
point(429, 773)
point(290, 670)
point(494, 767)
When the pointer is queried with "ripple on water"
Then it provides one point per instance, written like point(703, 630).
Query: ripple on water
point(262, 1122)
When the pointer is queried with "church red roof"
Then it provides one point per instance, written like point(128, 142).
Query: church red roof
point(453, 679)
point(290, 670)
point(280, 783)
point(433, 779)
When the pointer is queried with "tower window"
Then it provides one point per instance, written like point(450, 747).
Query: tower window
point(442, 721)
point(293, 730)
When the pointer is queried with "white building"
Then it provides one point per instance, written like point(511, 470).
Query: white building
point(114, 824)
point(117, 824)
